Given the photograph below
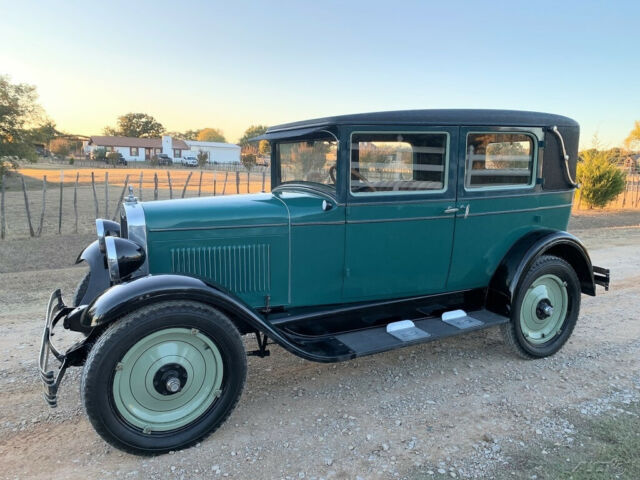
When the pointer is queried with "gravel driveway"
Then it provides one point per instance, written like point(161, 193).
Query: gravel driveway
point(444, 408)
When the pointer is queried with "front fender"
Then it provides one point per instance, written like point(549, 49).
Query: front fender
point(520, 258)
point(126, 297)
point(99, 278)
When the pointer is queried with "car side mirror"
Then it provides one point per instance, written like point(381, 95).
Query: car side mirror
point(326, 206)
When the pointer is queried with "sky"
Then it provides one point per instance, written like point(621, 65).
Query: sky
point(228, 65)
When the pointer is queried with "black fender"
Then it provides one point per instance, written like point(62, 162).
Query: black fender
point(126, 297)
point(99, 279)
point(518, 260)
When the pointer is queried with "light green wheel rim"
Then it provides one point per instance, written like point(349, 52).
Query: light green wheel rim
point(135, 396)
point(545, 290)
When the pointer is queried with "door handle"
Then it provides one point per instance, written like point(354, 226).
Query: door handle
point(451, 210)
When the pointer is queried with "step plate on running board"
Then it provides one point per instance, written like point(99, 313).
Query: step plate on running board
point(460, 319)
point(406, 331)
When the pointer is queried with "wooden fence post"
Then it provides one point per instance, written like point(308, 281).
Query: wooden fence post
point(237, 181)
point(3, 221)
point(140, 186)
point(75, 203)
point(248, 181)
point(124, 189)
point(214, 184)
point(44, 203)
point(637, 179)
point(184, 189)
point(170, 186)
point(264, 175)
point(200, 183)
point(106, 194)
point(224, 187)
point(26, 205)
point(60, 206)
point(155, 186)
point(95, 195)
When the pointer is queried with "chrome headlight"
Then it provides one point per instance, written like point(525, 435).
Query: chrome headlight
point(123, 257)
point(106, 228)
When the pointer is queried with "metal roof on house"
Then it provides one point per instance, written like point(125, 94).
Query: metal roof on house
point(440, 117)
point(106, 141)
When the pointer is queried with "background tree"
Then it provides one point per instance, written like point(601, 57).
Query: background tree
point(18, 112)
point(60, 146)
point(600, 180)
point(210, 135)
point(633, 140)
point(202, 158)
point(252, 131)
point(138, 125)
point(45, 133)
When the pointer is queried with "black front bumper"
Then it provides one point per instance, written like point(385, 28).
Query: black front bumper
point(75, 355)
point(601, 276)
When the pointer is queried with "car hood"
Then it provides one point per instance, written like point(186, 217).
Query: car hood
point(262, 209)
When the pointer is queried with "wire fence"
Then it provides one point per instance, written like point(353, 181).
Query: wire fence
point(71, 199)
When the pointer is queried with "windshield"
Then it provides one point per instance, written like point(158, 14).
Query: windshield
point(308, 161)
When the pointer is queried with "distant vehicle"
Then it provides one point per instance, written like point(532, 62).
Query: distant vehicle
point(190, 161)
point(121, 160)
point(163, 159)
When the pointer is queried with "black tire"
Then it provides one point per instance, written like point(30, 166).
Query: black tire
point(81, 289)
point(100, 367)
point(512, 331)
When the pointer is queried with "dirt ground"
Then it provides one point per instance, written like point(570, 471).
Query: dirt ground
point(443, 409)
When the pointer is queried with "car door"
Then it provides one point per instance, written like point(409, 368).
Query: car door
point(498, 200)
point(400, 210)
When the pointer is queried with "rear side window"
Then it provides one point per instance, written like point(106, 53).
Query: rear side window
point(398, 162)
point(498, 160)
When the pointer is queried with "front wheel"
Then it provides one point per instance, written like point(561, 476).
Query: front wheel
point(545, 309)
point(163, 377)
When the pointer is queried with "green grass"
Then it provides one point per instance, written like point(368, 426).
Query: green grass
point(605, 447)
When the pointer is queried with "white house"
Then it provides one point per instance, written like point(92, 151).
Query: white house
point(140, 149)
point(218, 152)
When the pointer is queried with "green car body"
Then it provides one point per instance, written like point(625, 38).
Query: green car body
point(380, 231)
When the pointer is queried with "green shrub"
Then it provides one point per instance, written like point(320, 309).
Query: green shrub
point(600, 180)
point(202, 158)
point(7, 164)
point(112, 158)
point(100, 154)
point(71, 161)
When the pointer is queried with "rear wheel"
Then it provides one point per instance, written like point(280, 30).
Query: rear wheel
point(545, 310)
point(164, 377)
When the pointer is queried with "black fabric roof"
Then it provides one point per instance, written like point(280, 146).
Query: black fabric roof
point(513, 118)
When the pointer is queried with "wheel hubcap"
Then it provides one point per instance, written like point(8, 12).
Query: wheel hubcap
point(168, 379)
point(544, 309)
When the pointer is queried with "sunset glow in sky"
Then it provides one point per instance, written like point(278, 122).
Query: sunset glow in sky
point(232, 64)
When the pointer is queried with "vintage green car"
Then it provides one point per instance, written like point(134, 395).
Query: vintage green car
point(381, 230)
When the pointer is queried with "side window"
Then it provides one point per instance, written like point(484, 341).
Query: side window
point(498, 160)
point(398, 162)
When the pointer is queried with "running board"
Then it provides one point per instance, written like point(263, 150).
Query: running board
point(395, 335)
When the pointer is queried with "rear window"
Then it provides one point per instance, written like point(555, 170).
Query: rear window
point(398, 162)
point(499, 160)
